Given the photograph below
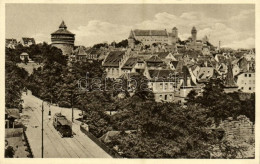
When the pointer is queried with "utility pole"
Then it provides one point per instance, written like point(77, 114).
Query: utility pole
point(42, 128)
point(72, 119)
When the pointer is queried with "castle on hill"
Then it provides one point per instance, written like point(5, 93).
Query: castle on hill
point(149, 37)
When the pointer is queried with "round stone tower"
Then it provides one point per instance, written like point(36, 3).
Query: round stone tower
point(63, 39)
point(194, 34)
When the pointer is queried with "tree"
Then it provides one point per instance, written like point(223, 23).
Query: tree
point(137, 42)
point(220, 104)
point(15, 78)
point(9, 152)
point(99, 45)
point(123, 43)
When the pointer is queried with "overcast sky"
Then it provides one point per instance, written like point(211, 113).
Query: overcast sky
point(233, 25)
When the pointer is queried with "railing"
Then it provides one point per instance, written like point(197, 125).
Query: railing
point(28, 145)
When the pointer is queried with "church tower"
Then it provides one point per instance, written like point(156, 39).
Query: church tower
point(131, 40)
point(63, 39)
point(174, 35)
point(194, 34)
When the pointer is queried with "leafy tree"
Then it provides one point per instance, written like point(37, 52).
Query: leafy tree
point(99, 45)
point(137, 42)
point(222, 105)
point(9, 152)
point(14, 83)
point(123, 43)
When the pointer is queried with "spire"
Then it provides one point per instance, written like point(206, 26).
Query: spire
point(63, 25)
point(230, 82)
point(131, 36)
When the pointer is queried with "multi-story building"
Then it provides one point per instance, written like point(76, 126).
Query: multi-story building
point(10, 43)
point(63, 39)
point(26, 42)
point(246, 81)
point(162, 84)
point(148, 37)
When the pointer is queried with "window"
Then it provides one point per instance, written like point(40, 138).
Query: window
point(166, 85)
point(249, 75)
point(170, 96)
point(160, 97)
point(161, 85)
point(249, 88)
point(165, 97)
point(245, 75)
point(242, 88)
point(171, 85)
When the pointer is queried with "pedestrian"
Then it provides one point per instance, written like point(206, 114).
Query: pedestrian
point(49, 116)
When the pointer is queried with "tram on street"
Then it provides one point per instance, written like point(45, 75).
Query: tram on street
point(62, 125)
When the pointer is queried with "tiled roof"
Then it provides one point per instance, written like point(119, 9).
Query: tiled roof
point(185, 73)
point(10, 41)
point(155, 59)
point(24, 54)
point(62, 31)
point(63, 25)
point(162, 55)
point(113, 59)
point(165, 73)
point(150, 33)
point(129, 75)
point(175, 63)
point(178, 56)
point(130, 63)
point(81, 51)
point(26, 40)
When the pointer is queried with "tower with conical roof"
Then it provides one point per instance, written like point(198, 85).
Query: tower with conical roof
point(194, 34)
point(63, 39)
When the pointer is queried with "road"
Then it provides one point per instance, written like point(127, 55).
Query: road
point(79, 146)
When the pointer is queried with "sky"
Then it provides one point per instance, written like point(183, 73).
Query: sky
point(233, 25)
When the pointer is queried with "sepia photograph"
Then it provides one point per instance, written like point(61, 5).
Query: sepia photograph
point(135, 81)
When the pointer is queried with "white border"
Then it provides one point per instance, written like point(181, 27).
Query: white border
point(107, 161)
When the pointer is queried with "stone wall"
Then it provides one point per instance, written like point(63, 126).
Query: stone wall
point(66, 48)
point(241, 128)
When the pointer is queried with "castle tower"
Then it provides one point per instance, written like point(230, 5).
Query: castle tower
point(174, 35)
point(194, 34)
point(131, 40)
point(63, 39)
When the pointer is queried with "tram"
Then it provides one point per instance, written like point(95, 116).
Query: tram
point(62, 125)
